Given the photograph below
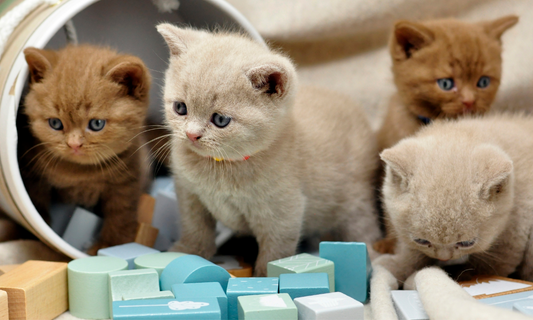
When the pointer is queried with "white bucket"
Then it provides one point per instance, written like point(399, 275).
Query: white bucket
point(126, 25)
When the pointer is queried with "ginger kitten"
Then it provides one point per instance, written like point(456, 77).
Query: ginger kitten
point(251, 150)
point(462, 189)
point(442, 69)
point(85, 108)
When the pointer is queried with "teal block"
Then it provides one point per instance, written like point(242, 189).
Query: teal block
point(140, 281)
point(525, 306)
point(151, 295)
point(352, 267)
point(188, 291)
point(303, 284)
point(167, 309)
point(245, 287)
point(267, 307)
point(303, 263)
point(128, 252)
point(192, 269)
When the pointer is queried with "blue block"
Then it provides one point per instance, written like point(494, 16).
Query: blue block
point(156, 309)
point(352, 267)
point(188, 291)
point(507, 301)
point(525, 306)
point(245, 287)
point(128, 252)
point(303, 284)
point(192, 269)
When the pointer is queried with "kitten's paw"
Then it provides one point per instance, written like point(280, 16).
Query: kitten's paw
point(260, 271)
point(206, 253)
point(387, 245)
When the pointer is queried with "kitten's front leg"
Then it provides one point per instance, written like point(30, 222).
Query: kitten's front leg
point(197, 226)
point(403, 263)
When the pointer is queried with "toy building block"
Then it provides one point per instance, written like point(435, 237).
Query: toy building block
point(408, 305)
point(162, 184)
point(197, 309)
point(8, 267)
point(139, 281)
point(352, 267)
point(145, 209)
point(146, 235)
point(152, 295)
point(192, 269)
point(333, 305)
point(245, 287)
point(4, 309)
point(303, 284)
point(60, 215)
point(88, 285)
point(482, 287)
point(166, 219)
point(82, 229)
point(525, 307)
point(507, 301)
point(128, 252)
point(267, 306)
point(191, 291)
point(157, 261)
point(235, 266)
point(303, 263)
point(36, 290)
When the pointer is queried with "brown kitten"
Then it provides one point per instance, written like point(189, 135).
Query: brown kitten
point(442, 69)
point(253, 151)
point(86, 107)
point(462, 190)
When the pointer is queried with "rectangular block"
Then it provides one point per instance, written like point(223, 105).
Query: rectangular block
point(303, 263)
point(267, 307)
point(191, 291)
point(36, 290)
point(245, 287)
point(408, 305)
point(8, 267)
point(146, 235)
point(328, 306)
point(138, 281)
point(128, 252)
point(508, 300)
point(168, 309)
point(303, 284)
point(82, 229)
point(4, 309)
point(166, 215)
point(352, 267)
point(525, 307)
point(150, 295)
point(145, 209)
point(482, 287)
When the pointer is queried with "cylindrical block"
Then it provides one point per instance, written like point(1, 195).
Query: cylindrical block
point(157, 261)
point(191, 269)
point(88, 285)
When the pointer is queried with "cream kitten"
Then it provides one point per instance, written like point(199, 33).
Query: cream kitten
point(251, 152)
point(463, 188)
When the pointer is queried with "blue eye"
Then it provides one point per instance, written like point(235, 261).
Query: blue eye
point(96, 124)
point(55, 124)
point(180, 108)
point(446, 84)
point(483, 82)
point(465, 244)
point(220, 120)
point(422, 242)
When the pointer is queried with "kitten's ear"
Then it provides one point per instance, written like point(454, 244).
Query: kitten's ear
point(409, 37)
point(131, 73)
point(39, 62)
point(271, 79)
point(399, 160)
point(496, 28)
point(493, 169)
point(178, 38)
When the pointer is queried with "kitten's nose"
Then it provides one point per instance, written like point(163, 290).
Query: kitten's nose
point(468, 104)
point(193, 136)
point(75, 145)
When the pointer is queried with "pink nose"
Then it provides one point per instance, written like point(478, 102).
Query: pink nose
point(468, 104)
point(74, 145)
point(193, 136)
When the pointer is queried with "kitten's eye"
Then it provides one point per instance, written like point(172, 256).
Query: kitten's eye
point(422, 242)
point(220, 120)
point(180, 108)
point(483, 82)
point(446, 84)
point(96, 124)
point(55, 123)
point(465, 244)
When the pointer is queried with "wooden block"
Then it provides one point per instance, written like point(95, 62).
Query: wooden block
point(267, 306)
point(8, 267)
point(234, 265)
point(333, 305)
point(127, 251)
point(197, 309)
point(352, 267)
point(482, 287)
point(299, 285)
point(36, 290)
point(191, 269)
point(157, 261)
point(408, 305)
point(303, 263)
point(4, 309)
point(246, 287)
point(145, 209)
point(139, 281)
point(88, 286)
point(191, 291)
point(146, 235)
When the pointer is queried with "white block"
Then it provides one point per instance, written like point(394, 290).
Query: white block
point(408, 305)
point(166, 215)
point(60, 215)
point(83, 229)
point(327, 306)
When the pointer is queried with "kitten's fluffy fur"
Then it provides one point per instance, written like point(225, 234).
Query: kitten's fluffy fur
point(313, 154)
point(82, 166)
point(462, 181)
point(423, 52)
